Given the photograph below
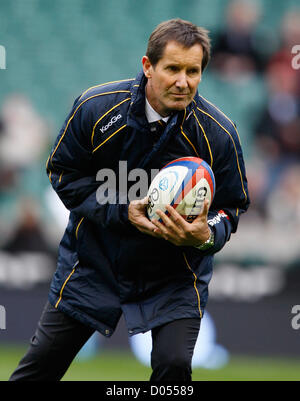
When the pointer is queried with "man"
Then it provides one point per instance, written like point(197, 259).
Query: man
point(112, 259)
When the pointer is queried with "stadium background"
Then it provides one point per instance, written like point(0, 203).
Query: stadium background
point(55, 50)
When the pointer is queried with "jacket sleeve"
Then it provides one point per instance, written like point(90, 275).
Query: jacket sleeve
point(231, 198)
point(71, 173)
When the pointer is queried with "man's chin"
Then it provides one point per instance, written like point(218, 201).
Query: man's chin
point(174, 106)
point(179, 105)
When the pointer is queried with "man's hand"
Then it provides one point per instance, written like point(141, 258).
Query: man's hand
point(137, 217)
point(178, 231)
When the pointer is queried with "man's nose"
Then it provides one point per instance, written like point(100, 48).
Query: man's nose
point(181, 81)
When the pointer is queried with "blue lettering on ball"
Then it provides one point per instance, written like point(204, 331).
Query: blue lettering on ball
point(163, 184)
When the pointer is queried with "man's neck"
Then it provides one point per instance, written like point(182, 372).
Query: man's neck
point(151, 114)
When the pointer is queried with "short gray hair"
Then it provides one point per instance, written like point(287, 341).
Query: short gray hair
point(181, 31)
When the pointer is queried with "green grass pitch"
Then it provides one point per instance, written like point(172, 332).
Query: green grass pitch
point(122, 366)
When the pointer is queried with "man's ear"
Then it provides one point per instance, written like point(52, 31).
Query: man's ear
point(147, 66)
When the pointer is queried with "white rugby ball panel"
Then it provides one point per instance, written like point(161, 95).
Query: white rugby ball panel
point(184, 184)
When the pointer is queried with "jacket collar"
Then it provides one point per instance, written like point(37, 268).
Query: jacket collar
point(136, 114)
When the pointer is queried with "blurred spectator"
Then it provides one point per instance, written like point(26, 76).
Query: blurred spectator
point(290, 36)
point(277, 136)
point(7, 175)
point(284, 204)
point(28, 235)
point(24, 136)
point(235, 54)
point(257, 182)
point(8, 178)
point(278, 131)
point(24, 142)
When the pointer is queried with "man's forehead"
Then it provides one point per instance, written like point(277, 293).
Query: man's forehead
point(175, 51)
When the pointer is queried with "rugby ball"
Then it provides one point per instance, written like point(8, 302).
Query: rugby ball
point(184, 184)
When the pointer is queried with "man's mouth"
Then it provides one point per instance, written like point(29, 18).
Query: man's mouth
point(179, 94)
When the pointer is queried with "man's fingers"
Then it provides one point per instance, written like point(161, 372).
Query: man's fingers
point(205, 207)
point(170, 227)
point(181, 222)
point(176, 217)
point(159, 227)
point(147, 227)
point(170, 222)
point(140, 203)
point(204, 212)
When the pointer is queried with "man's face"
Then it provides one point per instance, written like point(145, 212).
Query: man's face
point(173, 82)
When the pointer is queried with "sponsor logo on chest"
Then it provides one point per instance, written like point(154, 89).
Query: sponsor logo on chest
point(113, 120)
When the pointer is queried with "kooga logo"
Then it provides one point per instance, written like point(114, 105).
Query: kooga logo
point(112, 121)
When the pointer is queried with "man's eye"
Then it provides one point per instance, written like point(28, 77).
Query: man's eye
point(193, 71)
point(172, 68)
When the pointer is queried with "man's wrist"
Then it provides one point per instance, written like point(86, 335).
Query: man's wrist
point(208, 243)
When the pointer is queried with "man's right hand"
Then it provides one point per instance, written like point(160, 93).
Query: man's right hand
point(138, 217)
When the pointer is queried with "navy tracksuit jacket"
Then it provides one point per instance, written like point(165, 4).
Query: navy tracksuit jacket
point(105, 265)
